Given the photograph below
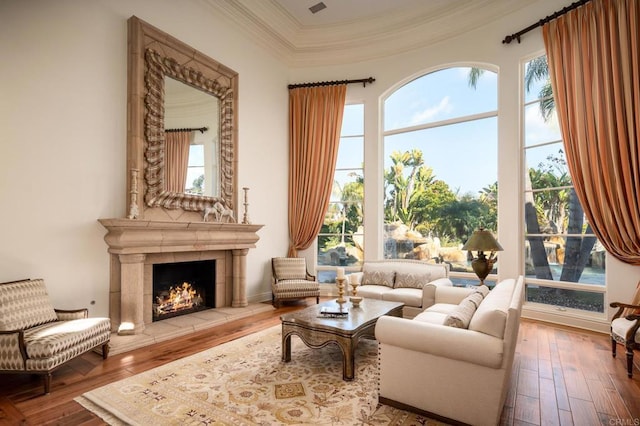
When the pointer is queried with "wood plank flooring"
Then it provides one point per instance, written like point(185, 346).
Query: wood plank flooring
point(561, 376)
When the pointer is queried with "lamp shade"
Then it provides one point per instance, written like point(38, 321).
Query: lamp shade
point(482, 240)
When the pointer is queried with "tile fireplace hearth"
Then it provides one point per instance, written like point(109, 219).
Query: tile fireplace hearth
point(136, 245)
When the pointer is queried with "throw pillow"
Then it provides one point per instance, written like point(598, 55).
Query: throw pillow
point(412, 280)
point(475, 298)
point(461, 316)
point(378, 277)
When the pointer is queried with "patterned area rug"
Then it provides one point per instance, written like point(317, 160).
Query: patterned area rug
point(244, 382)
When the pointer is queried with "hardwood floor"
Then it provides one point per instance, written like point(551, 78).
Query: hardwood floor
point(561, 376)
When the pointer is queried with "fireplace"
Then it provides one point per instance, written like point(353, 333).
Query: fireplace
point(137, 246)
point(183, 288)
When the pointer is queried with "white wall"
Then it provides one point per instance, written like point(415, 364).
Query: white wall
point(63, 144)
point(483, 46)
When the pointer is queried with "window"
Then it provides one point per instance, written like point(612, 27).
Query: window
point(341, 239)
point(564, 262)
point(440, 166)
point(195, 170)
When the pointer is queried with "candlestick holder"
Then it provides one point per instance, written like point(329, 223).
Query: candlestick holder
point(245, 218)
point(354, 299)
point(133, 202)
point(340, 284)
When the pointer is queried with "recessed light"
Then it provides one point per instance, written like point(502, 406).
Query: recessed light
point(317, 7)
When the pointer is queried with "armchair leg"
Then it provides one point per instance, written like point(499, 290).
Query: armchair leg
point(105, 350)
point(317, 299)
point(629, 362)
point(613, 347)
point(47, 383)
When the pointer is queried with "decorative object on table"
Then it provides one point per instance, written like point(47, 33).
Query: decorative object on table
point(354, 299)
point(340, 283)
point(331, 312)
point(482, 240)
point(133, 203)
point(245, 217)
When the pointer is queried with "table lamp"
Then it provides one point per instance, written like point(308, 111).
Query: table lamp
point(482, 240)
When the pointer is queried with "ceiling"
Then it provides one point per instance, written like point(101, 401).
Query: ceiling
point(357, 30)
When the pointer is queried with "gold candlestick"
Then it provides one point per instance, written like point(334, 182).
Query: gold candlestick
point(354, 299)
point(340, 284)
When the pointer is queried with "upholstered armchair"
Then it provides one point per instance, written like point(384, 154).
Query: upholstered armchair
point(292, 280)
point(624, 328)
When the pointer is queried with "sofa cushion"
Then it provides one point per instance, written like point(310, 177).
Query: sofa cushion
point(445, 308)
point(432, 317)
point(50, 339)
point(412, 279)
point(491, 316)
point(462, 314)
point(373, 291)
point(408, 296)
point(375, 275)
point(25, 304)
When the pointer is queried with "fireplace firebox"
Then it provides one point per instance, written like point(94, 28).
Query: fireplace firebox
point(183, 288)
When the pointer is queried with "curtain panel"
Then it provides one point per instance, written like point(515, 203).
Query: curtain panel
point(593, 56)
point(176, 161)
point(315, 121)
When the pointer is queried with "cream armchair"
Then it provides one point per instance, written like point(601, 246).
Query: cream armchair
point(292, 280)
point(625, 328)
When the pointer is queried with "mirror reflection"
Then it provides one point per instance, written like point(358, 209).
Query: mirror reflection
point(192, 139)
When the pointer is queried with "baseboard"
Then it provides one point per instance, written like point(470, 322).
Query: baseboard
point(569, 317)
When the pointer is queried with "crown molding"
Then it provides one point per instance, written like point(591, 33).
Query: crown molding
point(272, 27)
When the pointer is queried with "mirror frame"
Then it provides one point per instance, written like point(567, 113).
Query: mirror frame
point(154, 54)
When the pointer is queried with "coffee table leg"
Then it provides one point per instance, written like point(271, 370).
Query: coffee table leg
point(348, 363)
point(286, 347)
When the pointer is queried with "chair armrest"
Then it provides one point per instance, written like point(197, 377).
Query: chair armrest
point(453, 295)
point(310, 277)
point(621, 307)
point(14, 350)
point(429, 291)
point(68, 315)
point(441, 341)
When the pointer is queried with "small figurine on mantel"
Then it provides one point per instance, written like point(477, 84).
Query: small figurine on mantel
point(220, 213)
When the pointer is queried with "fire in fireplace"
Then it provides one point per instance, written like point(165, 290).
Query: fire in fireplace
point(183, 288)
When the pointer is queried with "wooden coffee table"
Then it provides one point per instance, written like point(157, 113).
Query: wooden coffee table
point(317, 331)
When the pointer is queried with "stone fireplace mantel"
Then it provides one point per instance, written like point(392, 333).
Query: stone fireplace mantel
point(135, 245)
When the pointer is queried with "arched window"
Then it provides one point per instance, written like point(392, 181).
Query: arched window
point(440, 166)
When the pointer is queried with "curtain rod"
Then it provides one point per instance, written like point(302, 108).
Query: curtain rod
point(516, 36)
point(193, 129)
point(364, 82)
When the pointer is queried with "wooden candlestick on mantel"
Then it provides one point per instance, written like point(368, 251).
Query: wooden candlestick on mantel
point(245, 218)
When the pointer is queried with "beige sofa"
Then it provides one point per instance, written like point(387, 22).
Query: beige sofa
point(450, 371)
point(36, 338)
point(411, 282)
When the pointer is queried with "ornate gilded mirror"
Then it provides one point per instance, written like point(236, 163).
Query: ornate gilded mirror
point(159, 65)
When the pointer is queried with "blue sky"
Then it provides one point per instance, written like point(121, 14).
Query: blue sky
point(462, 154)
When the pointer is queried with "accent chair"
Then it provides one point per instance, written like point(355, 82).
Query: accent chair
point(624, 328)
point(292, 280)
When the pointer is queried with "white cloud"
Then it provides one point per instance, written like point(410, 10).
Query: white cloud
point(428, 114)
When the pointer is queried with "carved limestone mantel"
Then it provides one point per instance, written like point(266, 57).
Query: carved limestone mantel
point(136, 244)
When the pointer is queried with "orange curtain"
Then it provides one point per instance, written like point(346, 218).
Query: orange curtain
point(593, 55)
point(176, 160)
point(315, 120)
